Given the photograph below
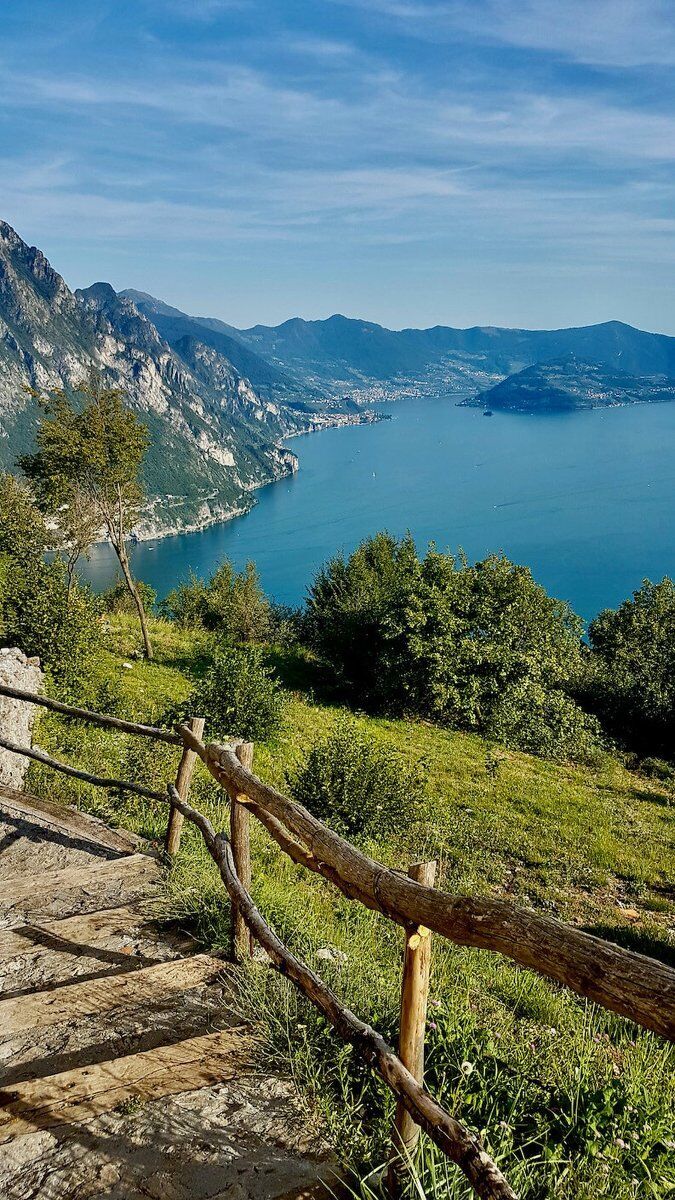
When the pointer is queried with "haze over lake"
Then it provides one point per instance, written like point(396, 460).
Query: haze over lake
point(586, 500)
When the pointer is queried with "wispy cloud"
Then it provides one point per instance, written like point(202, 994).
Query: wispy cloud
point(452, 132)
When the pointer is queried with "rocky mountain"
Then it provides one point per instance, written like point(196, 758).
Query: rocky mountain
point(214, 438)
point(174, 326)
point(341, 354)
point(570, 384)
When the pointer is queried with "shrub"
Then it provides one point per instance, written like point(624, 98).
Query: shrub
point(238, 696)
point(231, 604)
point(548, 723)
point(118, 598)
point(632, 668)
point(358, 787)
point(38, 611)
point(469, 646)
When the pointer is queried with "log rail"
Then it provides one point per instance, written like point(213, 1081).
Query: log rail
point(630, 984)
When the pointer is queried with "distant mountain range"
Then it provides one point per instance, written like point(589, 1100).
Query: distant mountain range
point(570, 384)
point(219, 400)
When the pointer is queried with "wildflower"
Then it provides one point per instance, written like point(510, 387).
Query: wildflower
point(466, 1067)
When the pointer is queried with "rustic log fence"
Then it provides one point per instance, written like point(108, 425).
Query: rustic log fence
point(630, 984)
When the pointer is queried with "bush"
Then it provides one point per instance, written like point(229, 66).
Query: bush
point(547, 723)
point(238, 696)
point(231, 604)
point(118, 598)
point(38, 612)
point(357, 787)
point(469, 646)
point(632, 668)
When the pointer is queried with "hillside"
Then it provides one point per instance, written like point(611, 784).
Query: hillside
point(570, 384)
point(577, 1103)
point(341, 353)
point(213, 437)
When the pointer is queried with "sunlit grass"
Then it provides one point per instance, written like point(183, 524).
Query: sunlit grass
point(574, 1103)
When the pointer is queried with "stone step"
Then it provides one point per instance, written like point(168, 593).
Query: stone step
point(78, 889)
point(55, 953)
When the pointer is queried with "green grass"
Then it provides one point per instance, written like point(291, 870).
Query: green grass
point(574, 1103)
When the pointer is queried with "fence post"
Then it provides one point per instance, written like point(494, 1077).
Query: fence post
point(240, 838)
point(183, 777)
point(414, 997)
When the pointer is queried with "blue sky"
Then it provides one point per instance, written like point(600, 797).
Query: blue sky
point(408, 161)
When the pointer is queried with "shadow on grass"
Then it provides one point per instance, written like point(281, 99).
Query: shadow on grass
point(635, 939)
point(298, 671)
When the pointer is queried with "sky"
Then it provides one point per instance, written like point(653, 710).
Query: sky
point(411, 162)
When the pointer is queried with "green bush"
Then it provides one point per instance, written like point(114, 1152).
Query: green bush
point(547, 723)
point(469, 646)
point(118, 598)
point(632, 668)
point(357, 787)
point(238, 696)
point(231, 604)
point(38, 611)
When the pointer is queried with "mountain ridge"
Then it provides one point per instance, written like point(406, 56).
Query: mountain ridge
point(214, 439)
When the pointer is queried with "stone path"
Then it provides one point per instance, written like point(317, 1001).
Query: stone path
point(125, 1070)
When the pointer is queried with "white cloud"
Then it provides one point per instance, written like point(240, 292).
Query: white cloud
point(611, 33)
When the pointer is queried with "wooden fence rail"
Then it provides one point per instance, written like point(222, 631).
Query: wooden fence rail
point(631, 984)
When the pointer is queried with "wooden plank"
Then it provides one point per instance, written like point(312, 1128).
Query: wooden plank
point(63, 893)
point(78, 1000)
point(16, 890)
point(108, 929)
point(77, 1096)
point(68, 820)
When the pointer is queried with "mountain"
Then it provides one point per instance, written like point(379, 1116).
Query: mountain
point(214, 438)
point(174, 325)
point(571, 384)
point(341, 354)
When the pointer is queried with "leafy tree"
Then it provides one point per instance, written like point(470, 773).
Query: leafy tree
point(86, 469)
point(469, 646)
point(632, 668)
point(39, 611)
point(231, 604)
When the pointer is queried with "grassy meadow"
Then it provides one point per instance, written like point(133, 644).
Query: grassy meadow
point(574, 1103)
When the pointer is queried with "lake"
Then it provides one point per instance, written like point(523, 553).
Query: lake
point(586, 500)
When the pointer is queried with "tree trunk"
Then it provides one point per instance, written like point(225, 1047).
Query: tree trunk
point(121, 552)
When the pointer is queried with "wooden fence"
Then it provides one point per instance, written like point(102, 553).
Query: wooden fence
point(633, 985)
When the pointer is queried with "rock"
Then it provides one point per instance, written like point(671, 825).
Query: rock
point(17, 717)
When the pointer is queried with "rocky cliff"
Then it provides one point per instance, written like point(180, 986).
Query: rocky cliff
point(214, 438)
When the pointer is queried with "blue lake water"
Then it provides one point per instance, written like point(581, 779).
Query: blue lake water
point(586, 500)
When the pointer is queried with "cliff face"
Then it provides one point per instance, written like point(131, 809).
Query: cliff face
point(213, 437)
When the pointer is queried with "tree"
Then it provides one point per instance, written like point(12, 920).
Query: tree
point(231, 604)
point(478, 647)
point(39, 612)
point(632, 668)
point(90, 448)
